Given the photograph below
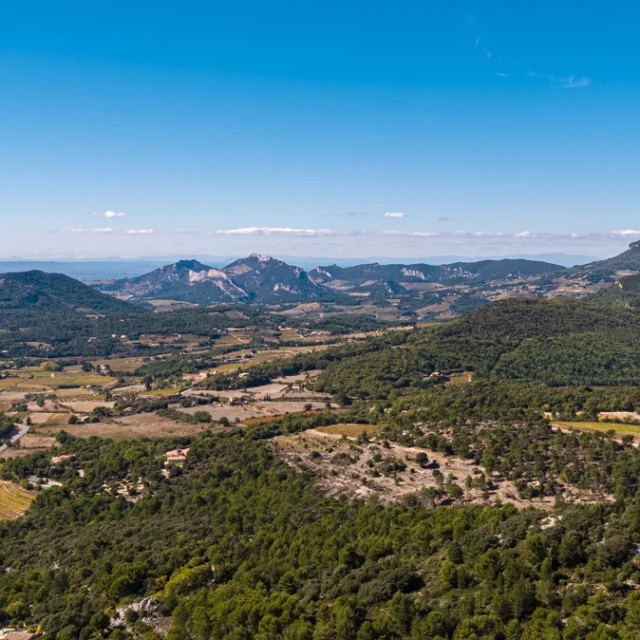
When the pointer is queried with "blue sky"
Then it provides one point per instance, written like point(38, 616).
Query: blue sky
point(294, 127)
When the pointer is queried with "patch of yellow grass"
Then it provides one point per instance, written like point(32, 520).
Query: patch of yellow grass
point(602, 426)
point(58, 419)
point(81, 380)
point(32, 384)
point(124, 365)
point(350, 430)
point(233, 339)
point(171, 391)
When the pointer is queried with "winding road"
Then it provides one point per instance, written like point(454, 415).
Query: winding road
point(22, 430)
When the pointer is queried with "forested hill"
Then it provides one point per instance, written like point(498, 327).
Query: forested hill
point(558, 342)
point(521, 318)
point(624, 293)
point(36, 290)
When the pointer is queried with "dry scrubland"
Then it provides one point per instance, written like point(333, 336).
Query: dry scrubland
point(344, 467)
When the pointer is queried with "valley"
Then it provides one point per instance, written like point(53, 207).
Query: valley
point(326, 459)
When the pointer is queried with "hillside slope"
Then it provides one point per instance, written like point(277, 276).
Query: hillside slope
point(627, 261)
point(36, 290)
point(558, 342)
point(623, 293)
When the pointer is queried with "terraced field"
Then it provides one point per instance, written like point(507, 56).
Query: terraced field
point(349, 430)
point(14, 501)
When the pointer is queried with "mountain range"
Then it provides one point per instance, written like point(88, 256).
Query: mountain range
point(268, 280)
point(429, 289)
point(422, 290)
point(255, 278)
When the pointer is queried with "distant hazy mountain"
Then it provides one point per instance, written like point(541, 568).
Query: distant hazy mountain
point(85, 270)
point(186, 280)
point(456, 273)
point(54, 292)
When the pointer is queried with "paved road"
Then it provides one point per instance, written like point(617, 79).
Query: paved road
point(22, 430)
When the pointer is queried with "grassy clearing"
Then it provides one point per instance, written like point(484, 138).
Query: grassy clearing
point(168, 303)
point(350, 430)
point(266, 356)
point(76, 394)
point(171, 391)
point(460, 378)
point(233, 339)
point(14, 501)
point(81, 380)
point(633, 429)
point(121, 365)
point(292, 335)
point(35, 378)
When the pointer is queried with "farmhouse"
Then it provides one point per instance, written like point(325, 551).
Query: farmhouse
point(177, 456)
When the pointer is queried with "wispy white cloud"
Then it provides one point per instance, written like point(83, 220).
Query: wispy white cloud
point(504, 68)
point(352, 214)
point(267, 231)
point(94, 230)
point(575, 83)
point(395, 214)
point(626, 232)
point(330, 242)
point(114, 214)
point(460, 234)
point(570, 82)
point(128, 232)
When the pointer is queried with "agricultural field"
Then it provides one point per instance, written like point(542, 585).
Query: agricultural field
point(34, 379)
point(14, 501)
point(120, 365)
point(142, 425)
point(245, 359)
point(250, 411)
point(28, 445)
point(162, 393)
point(234, 339)
point(617, 427)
